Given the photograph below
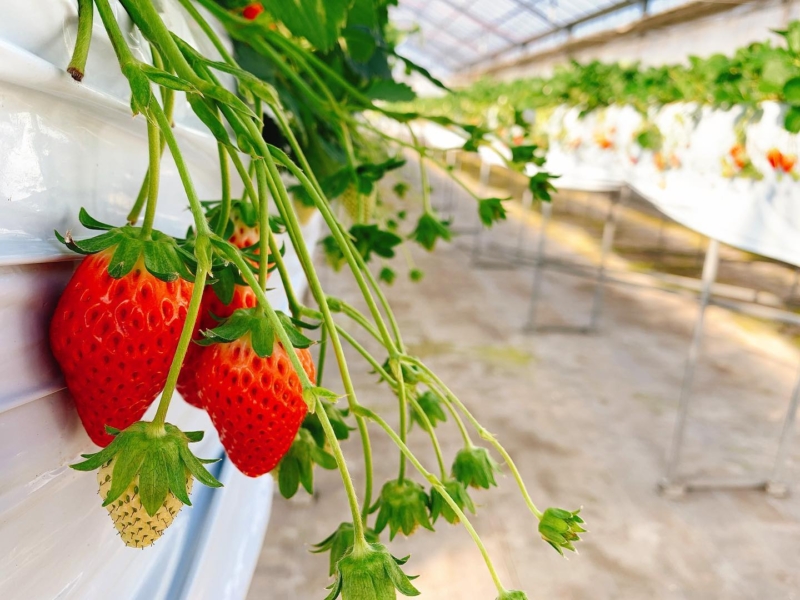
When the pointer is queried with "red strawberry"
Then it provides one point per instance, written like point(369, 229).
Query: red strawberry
point(252, 11)
point(212, 306)
point(255, 402)
point(739, 155)
point(787, 162)
point(775, 158)
point(115, 340)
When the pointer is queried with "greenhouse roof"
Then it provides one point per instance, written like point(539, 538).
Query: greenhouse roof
point(449, 37)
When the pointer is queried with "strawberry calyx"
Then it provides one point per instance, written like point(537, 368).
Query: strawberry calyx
point(475, 467)
point(159, 458)
point(403, 506)
point(161, 254)
point(512, 595)
point(371, 574)
point(431, 405)
point(253, 322)
point(560, 528)
point(458, 492)
point(340, 542)
point(297, 465)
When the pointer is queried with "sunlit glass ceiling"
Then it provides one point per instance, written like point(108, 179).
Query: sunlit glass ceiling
point(453, 36)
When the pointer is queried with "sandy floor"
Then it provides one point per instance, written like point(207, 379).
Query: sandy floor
point(588, 419)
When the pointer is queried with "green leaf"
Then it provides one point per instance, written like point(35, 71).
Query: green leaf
point(319, 21)
point(390, 91)
point(430, 229)
point(491, 210)
point(792, 120)
point(791, 91)
point(360, 43)
point(288, 476)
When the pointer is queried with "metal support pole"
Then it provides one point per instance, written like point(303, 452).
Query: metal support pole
point(710, 265)
point(775, 486)
point(527, 203)
point(538, 268)
point(609, 230)
point(486, 170)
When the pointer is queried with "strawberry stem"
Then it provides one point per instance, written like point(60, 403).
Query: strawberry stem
point(435, 483)
point(482, 431)
point(77, 66)
point(153, 175)
point(183, 342)
point(263, 223)
point(225, 176)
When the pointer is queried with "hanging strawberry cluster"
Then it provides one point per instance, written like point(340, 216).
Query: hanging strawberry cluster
point(146, 313)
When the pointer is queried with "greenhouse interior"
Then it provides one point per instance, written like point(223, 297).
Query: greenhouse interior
point(367, 299)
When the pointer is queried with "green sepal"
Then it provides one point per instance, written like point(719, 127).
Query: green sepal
point(458, 492)
point(160, 459)
point(370, 574)
point(262, 334)
point(430, 229)
point(411, 374)
point(541, 186)
point(403, 506)
point(512, 595)
point(164, 79)
point(367, 239)
point(90, 222)
point(161, 254)
point(297, 465)
point(207, 114)
point(560, 528)
point(475, 467)
point(141, 93)
point(491, 210)
point(431, 405)
point(340, 542)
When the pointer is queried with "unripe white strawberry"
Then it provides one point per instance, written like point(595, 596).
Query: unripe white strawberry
point(359, 207)
point(136, 528)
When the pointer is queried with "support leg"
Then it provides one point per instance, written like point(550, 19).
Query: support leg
point(668, 486)
point(486, 170)
point(538, 268)
point(527, 203)
point(775, 485)
point(609, 230)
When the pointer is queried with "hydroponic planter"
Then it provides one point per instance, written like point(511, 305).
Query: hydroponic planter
point(65, 145)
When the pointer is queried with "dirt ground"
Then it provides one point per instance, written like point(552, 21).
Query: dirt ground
point(588, 418)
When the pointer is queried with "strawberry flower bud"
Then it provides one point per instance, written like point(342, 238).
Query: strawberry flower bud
point(475, 467)
point(371, 574)
point(403, 507)
point(559, 528)
point(340, 542)
point(458, 492)
point(512, 595)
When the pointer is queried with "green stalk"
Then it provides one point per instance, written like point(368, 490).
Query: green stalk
point(263, 225)
point(246, 176)
point(124, 54)
point(77, 66)
point(323, 350)
point(437, 449)
point(208, 30)
point(225, 175)
point(293, 228)
point(403, 407)
point(183, 347)
point(423, 173)
point(482, 432)
point(432, 479)
point(153, 176)
point(294, 305)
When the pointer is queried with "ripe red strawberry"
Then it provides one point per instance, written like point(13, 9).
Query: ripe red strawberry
point(775, 158)
point(115, 340)
point(252, 11)
point(255, 402)
point(212, 306)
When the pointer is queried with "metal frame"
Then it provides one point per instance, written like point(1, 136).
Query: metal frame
point(670, 485)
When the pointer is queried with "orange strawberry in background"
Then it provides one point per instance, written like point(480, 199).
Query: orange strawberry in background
point(788, 162)
point(774, 157)
point(739, 155)
point(659, 161)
